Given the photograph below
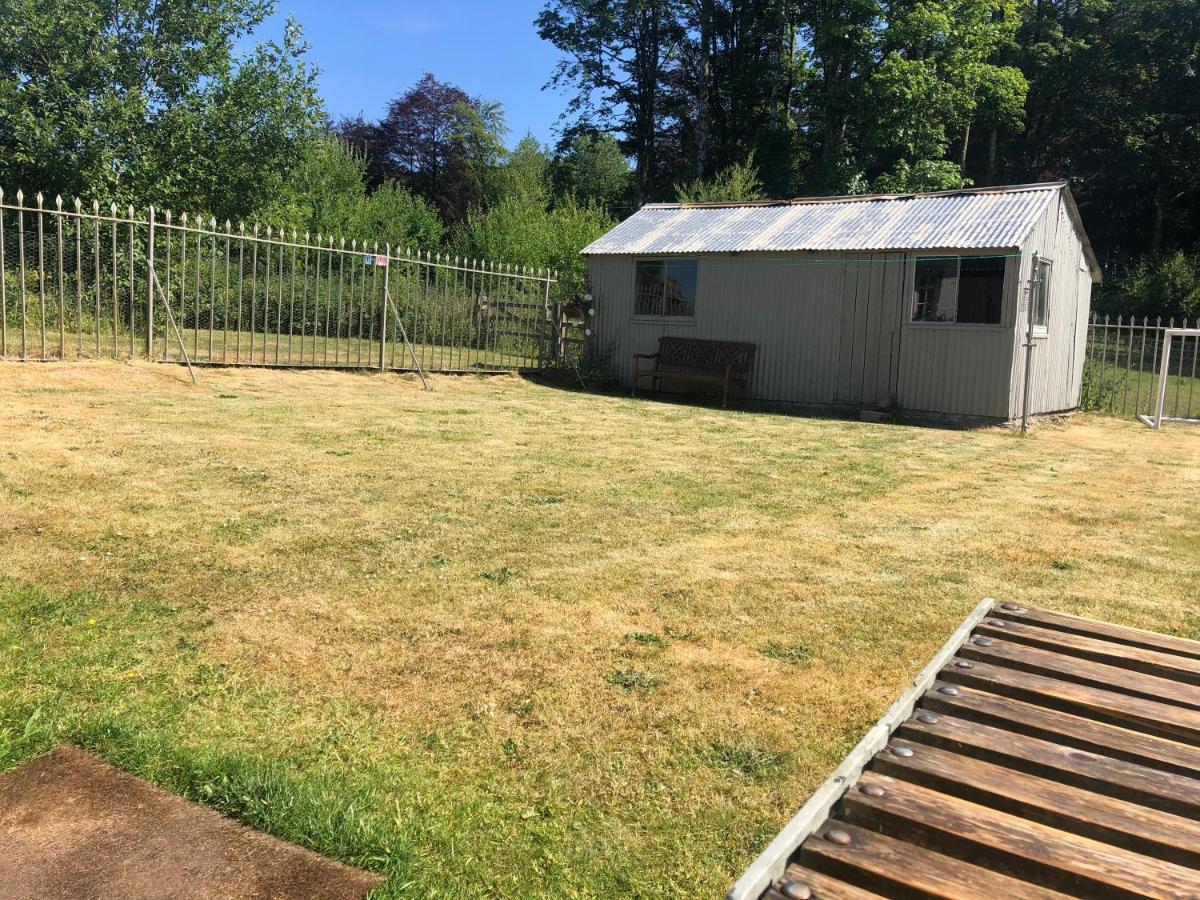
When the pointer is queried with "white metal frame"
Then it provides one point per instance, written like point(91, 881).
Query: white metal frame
point(1164, 377)
point(772, 862)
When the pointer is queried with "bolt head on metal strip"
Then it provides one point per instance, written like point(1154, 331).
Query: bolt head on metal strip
point(796, 890)
point(997, 623)
point(904, 752)
point(963, 664)
point(928, 718)
point(1012, 607)
point(837, 836)
point(983, 641)
point(949, 690)
point(871, 790)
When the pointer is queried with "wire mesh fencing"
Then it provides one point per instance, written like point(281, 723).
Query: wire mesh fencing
point(83, 281)
point(1124, 361)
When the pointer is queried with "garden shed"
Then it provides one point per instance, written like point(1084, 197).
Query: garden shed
point(908, 302)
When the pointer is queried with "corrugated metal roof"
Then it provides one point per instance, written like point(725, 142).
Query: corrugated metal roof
point(983, 218)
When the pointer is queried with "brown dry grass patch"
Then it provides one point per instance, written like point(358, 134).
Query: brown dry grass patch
point(454, 590)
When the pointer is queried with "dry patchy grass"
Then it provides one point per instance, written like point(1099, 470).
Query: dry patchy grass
point(503, 639)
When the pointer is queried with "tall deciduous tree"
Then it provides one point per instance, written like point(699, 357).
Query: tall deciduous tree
point(593, 168)
point(617, 56)
point(435, 140)
point(149, 101)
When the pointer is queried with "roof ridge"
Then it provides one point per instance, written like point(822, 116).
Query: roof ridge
point(864, 198)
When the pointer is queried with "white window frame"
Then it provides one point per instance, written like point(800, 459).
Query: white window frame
point(1042, 291)
point(910, 322)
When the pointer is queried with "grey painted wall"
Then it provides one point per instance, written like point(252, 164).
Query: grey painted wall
point(833, 328)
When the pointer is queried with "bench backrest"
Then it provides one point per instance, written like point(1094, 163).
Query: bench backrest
point(696, 353)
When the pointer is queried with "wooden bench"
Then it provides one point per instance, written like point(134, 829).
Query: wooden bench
point(721, 363)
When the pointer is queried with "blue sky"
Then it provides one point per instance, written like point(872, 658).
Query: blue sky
point(371, 52)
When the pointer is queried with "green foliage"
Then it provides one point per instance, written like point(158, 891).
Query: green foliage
point(593, 169)
point(1099, 386)
point(1166, 286)
point(526, 224)
point(326, 194)
point(149, 102)
point(648, 638)
point(744, 759)
point(790, 653)
point(924, 175)
point(632, 680)
point(738, 183)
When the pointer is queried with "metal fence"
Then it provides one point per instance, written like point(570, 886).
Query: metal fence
point(90, 282)
point(1123, 362)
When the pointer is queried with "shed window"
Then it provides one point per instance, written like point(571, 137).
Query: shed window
point(1041, 295)
point(965, 289)
point(666, 287)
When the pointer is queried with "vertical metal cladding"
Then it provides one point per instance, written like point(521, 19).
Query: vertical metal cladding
point(823, 289)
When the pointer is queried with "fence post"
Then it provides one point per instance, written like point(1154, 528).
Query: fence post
point(546, 322)
point(383, 305)
point(150, 284)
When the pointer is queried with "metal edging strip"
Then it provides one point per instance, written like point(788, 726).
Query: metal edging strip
point(771, 863)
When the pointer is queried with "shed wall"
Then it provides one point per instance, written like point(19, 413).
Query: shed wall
point(959, 369)
point(1058, 355)
point(830, 328)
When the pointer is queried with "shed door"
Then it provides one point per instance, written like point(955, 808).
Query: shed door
point(872, 309)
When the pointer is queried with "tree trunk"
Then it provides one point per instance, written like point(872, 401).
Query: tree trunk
point(704, 88)
point(962, 159)
point(1157, 229)
point(991, 156)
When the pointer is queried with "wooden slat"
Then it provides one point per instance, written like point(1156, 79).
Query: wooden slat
point(1119, 634)
point(1029, 850)
point(897, 868)
point(1107, 819)
point(1063, 728)
point(1091, 771)
point(1082, 671)
point(1139, 659)
point(1149, 716)
point(823, 887)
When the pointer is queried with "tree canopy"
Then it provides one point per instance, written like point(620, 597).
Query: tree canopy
point(847, 96)
point(167, 102)
point(147, 101)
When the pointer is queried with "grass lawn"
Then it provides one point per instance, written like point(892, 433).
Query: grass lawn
point(273, 349)
point(1132, 392)
point(501, 639)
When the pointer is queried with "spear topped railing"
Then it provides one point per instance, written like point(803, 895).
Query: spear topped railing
point(79, 281)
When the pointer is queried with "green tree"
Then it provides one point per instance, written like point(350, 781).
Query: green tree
point(592, 168)
point(1114, 104)
point(326, 194)
point(1166, 286)
point(147, 101)
point(435, 140)
point(617, 58)
point(938, 76)
point(524, 223)
point(737, 183)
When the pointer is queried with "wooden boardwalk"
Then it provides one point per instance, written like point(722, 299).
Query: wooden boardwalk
point(1039, 755)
